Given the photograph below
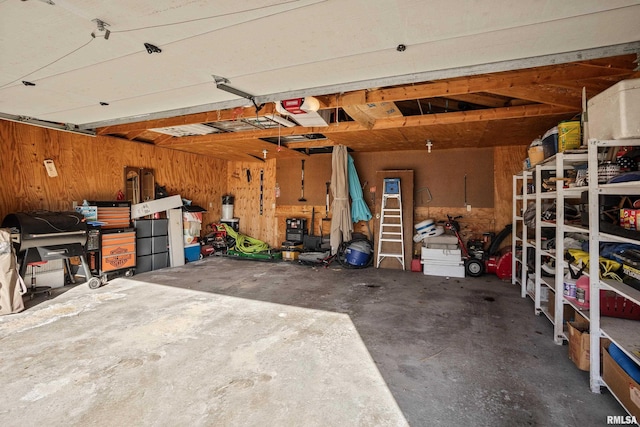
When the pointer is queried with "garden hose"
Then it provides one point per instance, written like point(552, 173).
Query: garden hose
point(246, 244)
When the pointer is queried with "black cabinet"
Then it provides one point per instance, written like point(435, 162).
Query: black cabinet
point(152, 244)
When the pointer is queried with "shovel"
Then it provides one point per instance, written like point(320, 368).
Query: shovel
point(302, 199)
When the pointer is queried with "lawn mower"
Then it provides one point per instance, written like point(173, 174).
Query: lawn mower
point(483, 255)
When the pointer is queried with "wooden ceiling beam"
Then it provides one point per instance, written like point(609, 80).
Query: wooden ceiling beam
point(484, 83)
point(161, 138)
point(206, 117)
point(484, 99)
point(543, 94)
point(133, 135)
point(523, 111)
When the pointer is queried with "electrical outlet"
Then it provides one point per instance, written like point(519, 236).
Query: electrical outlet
point(468, 208)
point(51, 168)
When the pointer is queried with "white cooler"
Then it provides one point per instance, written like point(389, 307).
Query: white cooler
point(614, 113)
point(441, 256)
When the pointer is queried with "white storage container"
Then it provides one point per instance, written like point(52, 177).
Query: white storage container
point(615, 113)
point(448, 255)
point(445, 239)
point(445, 269)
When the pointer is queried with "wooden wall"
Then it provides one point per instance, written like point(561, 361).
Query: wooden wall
point(441, 171)
point(93, 168)
point(488, 190)
point(246, 192)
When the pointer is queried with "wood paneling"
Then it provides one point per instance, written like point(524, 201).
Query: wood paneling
point(92, 168)
point(441, 171)
point(246, 191)
point(507, 162)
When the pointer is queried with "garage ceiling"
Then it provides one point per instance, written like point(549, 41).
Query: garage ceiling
point(388, 75)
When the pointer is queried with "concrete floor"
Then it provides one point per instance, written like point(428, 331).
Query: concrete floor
point(233, 342)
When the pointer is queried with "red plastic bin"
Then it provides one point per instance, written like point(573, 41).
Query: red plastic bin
point(614, 305)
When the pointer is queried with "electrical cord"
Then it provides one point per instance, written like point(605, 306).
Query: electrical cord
point(245, 244)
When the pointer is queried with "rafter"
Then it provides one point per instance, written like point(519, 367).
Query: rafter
point(396, 122)
point(489, 83)
point(209, 116)
point(543, 94)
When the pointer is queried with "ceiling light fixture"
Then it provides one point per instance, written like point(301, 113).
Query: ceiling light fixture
point(101, 28)
point(264, 154)
point(429, 144)
point(282, 121)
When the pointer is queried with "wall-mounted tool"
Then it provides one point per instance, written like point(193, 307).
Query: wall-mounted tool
point(261, 191)
point(302, 199)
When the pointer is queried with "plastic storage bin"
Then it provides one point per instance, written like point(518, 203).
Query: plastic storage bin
point(613, 114)
point(192, 252)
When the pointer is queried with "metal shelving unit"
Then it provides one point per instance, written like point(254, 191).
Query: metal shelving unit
point(519, 235)
point(624, 333)
point(539, 286)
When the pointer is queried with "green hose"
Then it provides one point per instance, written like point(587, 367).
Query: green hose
point(246, 244)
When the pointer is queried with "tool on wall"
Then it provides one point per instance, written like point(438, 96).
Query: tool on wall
point(465, 190)
point(326, 203)
point(302, 199)
point(326, 211)
point(261, 191)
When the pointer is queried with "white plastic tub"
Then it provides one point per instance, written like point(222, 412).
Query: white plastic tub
point(615, 113)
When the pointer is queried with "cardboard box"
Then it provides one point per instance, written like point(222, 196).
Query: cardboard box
point(536, 154)
point(621, 384)
point(579, 343)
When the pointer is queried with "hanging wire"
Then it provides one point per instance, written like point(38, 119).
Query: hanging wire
point(420, 106)
point(47, 65)
point(176, 23)
point(207, 17)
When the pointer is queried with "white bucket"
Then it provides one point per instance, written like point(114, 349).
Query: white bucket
point(227, 212)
